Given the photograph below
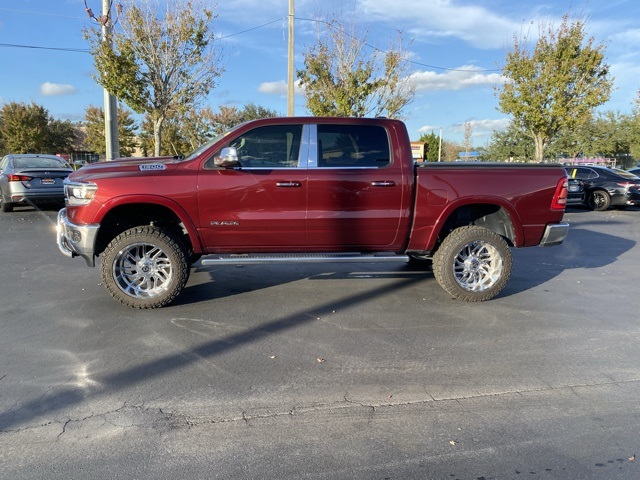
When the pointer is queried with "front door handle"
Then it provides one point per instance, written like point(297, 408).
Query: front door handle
point(288, 184)
point(383, 183)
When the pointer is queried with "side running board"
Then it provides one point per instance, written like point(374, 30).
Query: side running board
point(257, 258)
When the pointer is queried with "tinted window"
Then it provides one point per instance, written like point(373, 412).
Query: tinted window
point(273, 146)
point(352, 146)
point(581, 173)
point(38, 162)
point(623, 173)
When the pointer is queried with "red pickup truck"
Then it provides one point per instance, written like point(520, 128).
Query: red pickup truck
point(307, 190)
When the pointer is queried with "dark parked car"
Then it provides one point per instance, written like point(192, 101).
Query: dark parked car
point(29, 179)
point(634, 171)
point(575, 191)
point(606, 187)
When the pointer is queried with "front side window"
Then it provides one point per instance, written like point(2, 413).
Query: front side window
point(273, 146)
point(363, 146)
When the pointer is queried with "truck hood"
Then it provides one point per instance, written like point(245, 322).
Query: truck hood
point(126, 166)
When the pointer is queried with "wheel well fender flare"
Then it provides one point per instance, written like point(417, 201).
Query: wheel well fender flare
point(148, 205)
point(494, 214)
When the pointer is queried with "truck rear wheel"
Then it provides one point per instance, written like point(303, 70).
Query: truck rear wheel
point(473, 263)
point(145, 267)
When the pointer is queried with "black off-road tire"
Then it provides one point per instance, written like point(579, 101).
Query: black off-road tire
point(145, 267)
point(473, 264)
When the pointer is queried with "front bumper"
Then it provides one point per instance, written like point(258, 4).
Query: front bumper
point(554, 234)
point(76, 240)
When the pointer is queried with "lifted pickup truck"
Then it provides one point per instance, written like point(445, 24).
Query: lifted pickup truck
point(307, 190)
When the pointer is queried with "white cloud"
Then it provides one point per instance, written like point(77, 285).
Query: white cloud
point(429, 129)
point(279, 88)
point(458, 79)
point(49, 89)
point(446, 18)
point(480, 128)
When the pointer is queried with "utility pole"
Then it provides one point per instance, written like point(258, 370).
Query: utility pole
point(440, 146)
point(110, 103)
point(290, 89)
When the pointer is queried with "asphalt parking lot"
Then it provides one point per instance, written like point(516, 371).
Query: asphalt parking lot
point(324, 371)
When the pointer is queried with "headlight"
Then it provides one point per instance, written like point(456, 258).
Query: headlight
point(78, 193)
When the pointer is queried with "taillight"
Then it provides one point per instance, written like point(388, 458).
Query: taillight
point(627, 184)
point(12, 177)
point(560, 196)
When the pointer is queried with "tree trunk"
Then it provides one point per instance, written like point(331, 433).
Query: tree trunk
point(540, 144)
point(157, 136)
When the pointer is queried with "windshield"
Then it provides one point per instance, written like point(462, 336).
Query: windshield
point(208, 144)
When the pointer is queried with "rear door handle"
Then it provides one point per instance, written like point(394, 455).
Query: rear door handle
point(288, 184)
point(383, 183)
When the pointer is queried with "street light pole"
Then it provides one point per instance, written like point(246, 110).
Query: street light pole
point(110, 103)
point(290, 89)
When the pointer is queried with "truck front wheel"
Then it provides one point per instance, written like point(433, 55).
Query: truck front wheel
point(473, 263)
point(145, 267)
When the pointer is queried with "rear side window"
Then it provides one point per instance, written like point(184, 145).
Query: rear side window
point(353, 146)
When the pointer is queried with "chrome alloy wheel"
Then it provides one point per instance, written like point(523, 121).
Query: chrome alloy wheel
point(477, 266)
point(142, 270)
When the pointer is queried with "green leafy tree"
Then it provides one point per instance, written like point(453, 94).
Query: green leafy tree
point(431, 147)
point(341, 79)
point(62, 136)
point(556, 87)
point(609, 134)
point(228, 117)
point(163, 60)
point(511, 144)
point(28, 128)
point(634, 129)
point(187, 131)
point(612, 134)
point(24, 128)
point(94, 126)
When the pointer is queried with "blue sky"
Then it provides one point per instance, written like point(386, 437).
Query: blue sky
point(457, 49)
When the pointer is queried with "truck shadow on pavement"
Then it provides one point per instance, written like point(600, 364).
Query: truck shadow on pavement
point(583, 249)
point(43, 410)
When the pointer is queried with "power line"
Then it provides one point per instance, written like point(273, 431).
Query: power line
point(252, 29)
point(222, 37)
point(40, 13)
point(413, 62)
point(37, 47)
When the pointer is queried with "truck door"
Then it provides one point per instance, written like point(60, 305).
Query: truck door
point(259, 205)
point(355, 192)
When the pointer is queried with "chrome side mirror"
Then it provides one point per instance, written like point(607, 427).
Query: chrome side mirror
point(228, 157)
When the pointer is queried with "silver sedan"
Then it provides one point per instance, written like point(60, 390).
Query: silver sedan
point(31, 179)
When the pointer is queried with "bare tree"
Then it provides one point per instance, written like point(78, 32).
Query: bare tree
point(163, 60)
point(343, 76)
point(468, 130)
